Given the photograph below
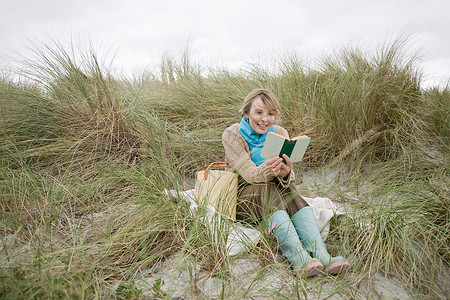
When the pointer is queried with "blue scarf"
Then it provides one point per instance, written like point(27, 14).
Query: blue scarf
point(255, 140)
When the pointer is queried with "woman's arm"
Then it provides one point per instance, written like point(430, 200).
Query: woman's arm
point(237, 155)
point(240, 161)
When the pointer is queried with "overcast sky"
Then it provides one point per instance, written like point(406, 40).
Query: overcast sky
point(231, 33)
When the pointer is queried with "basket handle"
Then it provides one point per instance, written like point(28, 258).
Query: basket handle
point(219, 164)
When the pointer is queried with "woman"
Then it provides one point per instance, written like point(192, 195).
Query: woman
point(267, 188)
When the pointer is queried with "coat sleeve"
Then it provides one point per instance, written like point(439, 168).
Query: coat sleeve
point(238, 156)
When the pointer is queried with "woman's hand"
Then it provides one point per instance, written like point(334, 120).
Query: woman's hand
point(276, 165)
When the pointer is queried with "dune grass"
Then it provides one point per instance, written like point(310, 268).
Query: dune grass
point(85, 157)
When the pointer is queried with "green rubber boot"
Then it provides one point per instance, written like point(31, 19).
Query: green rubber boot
point(306, 225)
point(281, 226)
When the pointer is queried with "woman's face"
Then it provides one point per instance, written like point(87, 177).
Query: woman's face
point(260, 117)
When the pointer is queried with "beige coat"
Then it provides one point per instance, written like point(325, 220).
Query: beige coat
point(237, 154)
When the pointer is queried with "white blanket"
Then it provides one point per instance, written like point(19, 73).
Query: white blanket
point(240, 236)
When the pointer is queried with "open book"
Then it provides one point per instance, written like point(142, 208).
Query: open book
point(276, 144)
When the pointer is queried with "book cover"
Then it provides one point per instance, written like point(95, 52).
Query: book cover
point(277, 144)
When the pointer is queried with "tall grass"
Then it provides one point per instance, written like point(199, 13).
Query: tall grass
point(74, 109)
point(85, 157)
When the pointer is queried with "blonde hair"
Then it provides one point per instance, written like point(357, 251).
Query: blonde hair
point(266, 96)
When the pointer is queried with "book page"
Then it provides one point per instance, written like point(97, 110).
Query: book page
point(300, 149)
point(272, 146)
